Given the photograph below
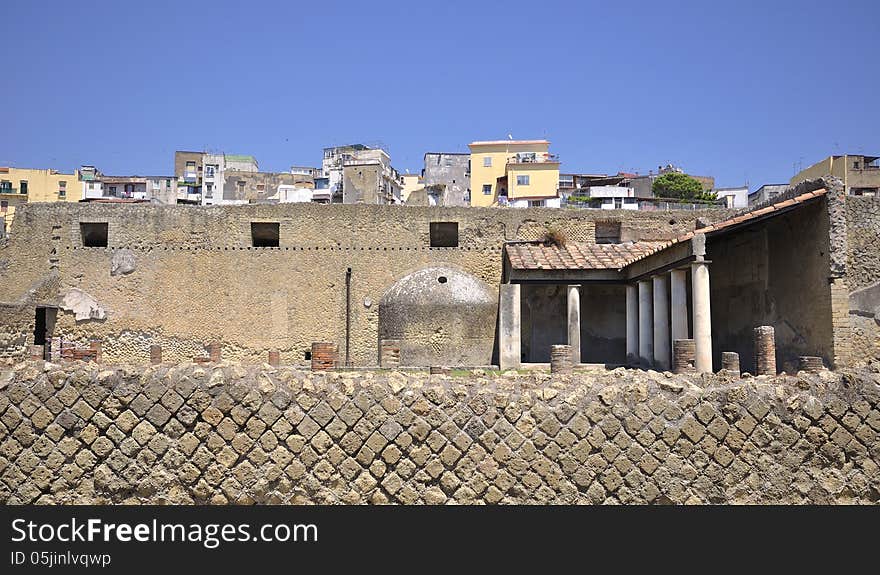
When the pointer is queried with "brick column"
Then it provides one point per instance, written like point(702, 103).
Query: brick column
point(683, 353)
point(214, 351)
point(765, 350)
point(274, 358)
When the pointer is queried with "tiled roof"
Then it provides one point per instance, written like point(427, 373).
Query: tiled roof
point(574, 255)
point(750, 215)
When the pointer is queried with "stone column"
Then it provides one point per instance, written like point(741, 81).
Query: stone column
point(678, 288)
point(661, 324)
point(574, 323)
point(646, 325)
point(509, 345)
point(702, 316)
point(632, 324)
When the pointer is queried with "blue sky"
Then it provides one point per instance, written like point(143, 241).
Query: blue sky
point(744, 91)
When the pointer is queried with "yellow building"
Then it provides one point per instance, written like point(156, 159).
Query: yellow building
point(19, 185)
point(860, 174)
point(518, 173)
point(411, 183)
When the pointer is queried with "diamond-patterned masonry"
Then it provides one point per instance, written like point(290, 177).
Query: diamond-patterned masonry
point(228, 433)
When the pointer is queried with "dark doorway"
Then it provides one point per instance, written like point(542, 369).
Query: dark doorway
point(44, 325)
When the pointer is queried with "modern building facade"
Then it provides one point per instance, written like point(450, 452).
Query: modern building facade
point(860, 173)
point(517, 173)
point(766, 193)
point(411, 183)
point(737, 197)
point(21, 185)
point(359, 174)
point(447, 177)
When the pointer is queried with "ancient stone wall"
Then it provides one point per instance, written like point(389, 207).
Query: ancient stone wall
point(863, 277)
point(231, 434)
point(191, 276)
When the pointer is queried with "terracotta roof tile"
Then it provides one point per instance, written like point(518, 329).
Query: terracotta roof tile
point(574, 255)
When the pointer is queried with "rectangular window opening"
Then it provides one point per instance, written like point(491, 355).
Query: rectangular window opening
point(522, 180)
point(487, 189)
point(94, 235)
point(444, 234)
point(265, 234)
point(487, 162)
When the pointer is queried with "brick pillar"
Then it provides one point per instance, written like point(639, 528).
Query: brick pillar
point(155, 354)
point(560, 359)
point(95, 349)
point(214, 351)
point(730, 361)
point(275, 358)
point(325, 355)
point(684, 354)
point(765, 350)
point(37, 352)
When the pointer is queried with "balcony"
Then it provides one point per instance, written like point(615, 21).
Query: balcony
point(11, 191)
point(533, 158)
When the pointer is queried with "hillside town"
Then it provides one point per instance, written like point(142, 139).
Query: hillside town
point(494, 173)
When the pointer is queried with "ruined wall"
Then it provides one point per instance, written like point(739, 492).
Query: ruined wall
point(775, 273)
point(192, 276)
point(226, 434)
point(863, 276)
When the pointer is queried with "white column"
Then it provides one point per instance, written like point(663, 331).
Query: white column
point(678, 280)
point(646, 325)
point(632, 324)
point(702, 316)
point(662, 350)
point(574, 323)
point(509, 320)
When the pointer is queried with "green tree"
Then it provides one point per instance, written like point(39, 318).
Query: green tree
point(678, 185)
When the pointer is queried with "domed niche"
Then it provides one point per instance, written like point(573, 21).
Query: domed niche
point(440, 316)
